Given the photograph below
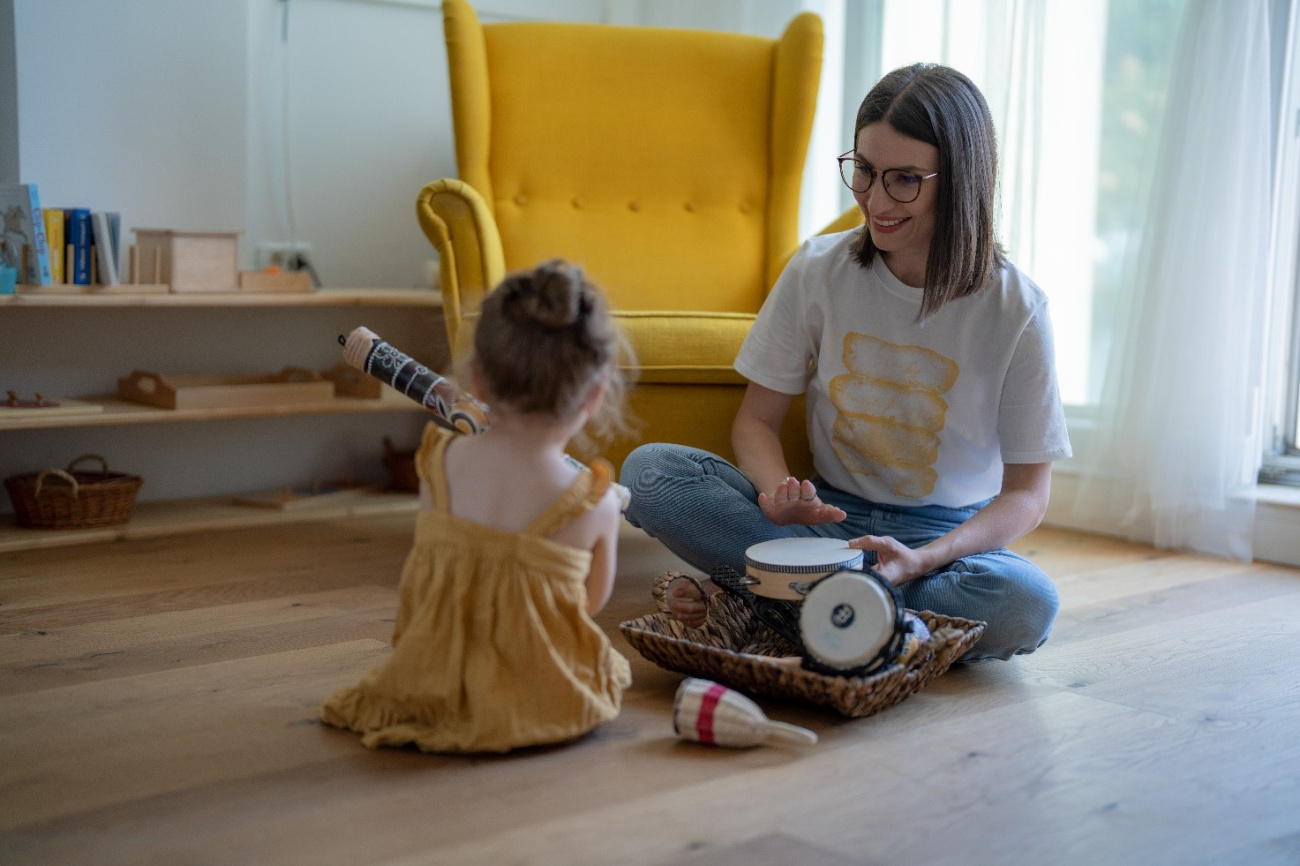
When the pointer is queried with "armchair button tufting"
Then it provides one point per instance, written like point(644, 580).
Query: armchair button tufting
point(746, 207)
point(521, 199)
point(690, 207)
point(634, 206)
point(577, 202)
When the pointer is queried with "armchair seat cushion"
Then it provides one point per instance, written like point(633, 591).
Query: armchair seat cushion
point(686, 347)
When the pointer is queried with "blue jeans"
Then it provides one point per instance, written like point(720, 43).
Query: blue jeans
point(706, 512)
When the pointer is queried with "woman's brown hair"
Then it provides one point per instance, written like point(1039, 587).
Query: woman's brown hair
point(544, 337)
point(940, 106)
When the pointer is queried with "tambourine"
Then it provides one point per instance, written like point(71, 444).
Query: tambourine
point(845, 619)
point(784, 567)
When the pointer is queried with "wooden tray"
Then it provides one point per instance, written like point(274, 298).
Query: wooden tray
point(292, 385)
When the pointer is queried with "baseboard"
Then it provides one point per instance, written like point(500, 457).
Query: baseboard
point(1277, 518)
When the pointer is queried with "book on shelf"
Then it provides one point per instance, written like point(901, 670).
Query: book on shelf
point(102, 224)
point(77, 237)
point(54, 241)
point(22, 245)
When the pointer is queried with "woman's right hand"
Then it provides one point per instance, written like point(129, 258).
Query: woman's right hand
point(797, 502)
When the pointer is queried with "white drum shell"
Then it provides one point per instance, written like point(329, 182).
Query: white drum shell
point(846, 620)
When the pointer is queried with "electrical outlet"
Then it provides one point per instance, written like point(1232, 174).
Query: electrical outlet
point(282, 255)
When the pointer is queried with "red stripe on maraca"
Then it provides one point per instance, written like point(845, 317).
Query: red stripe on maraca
point(707, 704)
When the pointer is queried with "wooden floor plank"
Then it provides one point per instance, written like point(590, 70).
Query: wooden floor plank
point(168, 715)
point(136, 645)
point(973, 795)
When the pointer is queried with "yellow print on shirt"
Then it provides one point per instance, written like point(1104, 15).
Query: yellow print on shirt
point(891, 409)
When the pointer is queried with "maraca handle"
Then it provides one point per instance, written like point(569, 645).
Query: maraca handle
point(790, 734)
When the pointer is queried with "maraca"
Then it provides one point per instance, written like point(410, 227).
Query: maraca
point(709, 712)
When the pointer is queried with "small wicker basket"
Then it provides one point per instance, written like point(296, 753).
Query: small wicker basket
point(72, 499)
point(735, 648)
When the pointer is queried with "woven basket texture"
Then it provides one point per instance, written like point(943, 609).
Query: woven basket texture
point(736, 649)
point(73, 499)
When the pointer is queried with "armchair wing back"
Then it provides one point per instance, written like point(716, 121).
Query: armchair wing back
point(667, 163)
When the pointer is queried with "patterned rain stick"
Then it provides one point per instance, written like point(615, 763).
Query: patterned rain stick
point(364, 350)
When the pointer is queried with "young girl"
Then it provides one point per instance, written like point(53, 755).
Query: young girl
point(927, 364)
point(494, 647)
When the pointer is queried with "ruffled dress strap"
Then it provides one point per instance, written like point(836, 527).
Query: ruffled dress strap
point(431, 467)
point(586, 490)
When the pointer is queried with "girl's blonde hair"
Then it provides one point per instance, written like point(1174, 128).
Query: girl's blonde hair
point(544, 337)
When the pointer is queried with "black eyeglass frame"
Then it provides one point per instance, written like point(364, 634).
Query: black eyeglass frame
point(873, 174)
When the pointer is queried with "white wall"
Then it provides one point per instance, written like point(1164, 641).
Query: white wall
point(138, 107)
point(215, 115)
point(173, 113)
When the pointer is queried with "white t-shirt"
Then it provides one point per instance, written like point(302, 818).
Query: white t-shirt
point(905, 412)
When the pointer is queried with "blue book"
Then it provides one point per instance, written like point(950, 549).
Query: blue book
point(23, 245)
point(77, 234)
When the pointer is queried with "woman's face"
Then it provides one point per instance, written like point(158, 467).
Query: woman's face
point(901, 231)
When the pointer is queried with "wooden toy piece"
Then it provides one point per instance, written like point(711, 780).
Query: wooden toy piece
point(709, 712)
point(351, 382)
point(273, 279)
point(315, 493)
point(15, 406)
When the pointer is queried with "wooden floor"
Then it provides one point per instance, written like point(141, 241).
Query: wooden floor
point(158, 705)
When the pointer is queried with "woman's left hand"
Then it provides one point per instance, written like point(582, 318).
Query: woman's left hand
point(895, 561)
point(796, 502)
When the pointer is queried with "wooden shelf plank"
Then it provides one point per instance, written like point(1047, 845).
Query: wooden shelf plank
point(175, 517)
point(317, 298)
point(124, 412)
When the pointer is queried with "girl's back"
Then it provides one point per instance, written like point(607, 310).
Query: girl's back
point(493, 648)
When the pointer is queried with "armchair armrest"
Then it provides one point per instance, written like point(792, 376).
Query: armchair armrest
point(850, 219)
point(459, 224)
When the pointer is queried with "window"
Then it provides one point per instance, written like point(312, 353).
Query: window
point(1077, 91)
point(1282, 459)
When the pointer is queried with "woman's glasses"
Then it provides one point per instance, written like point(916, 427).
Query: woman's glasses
point(903, 186)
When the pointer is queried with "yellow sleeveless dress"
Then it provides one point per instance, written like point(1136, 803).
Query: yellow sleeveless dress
point(493, 648)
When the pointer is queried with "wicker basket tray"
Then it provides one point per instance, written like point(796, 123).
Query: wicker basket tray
point(72, 499)
point(734, 648)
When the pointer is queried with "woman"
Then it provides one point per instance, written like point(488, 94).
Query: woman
point(927, 363)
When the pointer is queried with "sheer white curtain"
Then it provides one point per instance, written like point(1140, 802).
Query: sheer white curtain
point(1176, 449)
point(1039, 63)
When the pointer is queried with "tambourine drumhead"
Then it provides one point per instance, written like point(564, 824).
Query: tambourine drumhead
point(782, 561)
point(846, 619)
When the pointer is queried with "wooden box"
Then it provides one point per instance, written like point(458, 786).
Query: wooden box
point(268, 281)
point(188, 261)
point(351, 382)
point(291, 386)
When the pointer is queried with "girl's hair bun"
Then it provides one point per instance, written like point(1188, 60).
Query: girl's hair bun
point(544, 338)
point(555, 295)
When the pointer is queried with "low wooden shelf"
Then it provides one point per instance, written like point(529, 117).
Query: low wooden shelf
point(125, 412)
point(320, 297)
point(174, 517)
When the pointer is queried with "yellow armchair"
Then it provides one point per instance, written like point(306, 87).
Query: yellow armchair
point(667, 163)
